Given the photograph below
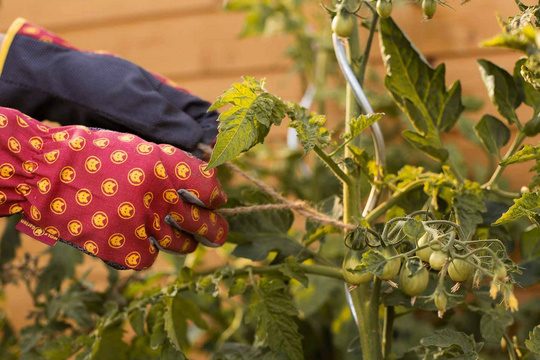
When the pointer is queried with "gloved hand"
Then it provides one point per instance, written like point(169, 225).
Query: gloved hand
point(111, 195)
point(48, 79)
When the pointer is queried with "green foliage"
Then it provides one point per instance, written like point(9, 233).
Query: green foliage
point(273, 313)
point(419, 90)
point(502, 89)
point(527, 206)
point(492, 133)
point(247, 122)
point(533, 343)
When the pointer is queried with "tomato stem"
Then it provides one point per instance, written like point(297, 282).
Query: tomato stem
point(492, 183)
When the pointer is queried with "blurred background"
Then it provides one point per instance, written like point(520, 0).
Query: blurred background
point(198, 45)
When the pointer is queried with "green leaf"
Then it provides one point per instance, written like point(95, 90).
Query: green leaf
point(493, 134)
point(533, 342)
point(361, 123)
point(168, 352)
point(469, 205)
point(372, 261)
point(429, 146)
point(273, 313)
point(527, 153)
point(530, 95)
point(61, 266)
point(530, 243)
point(309, 127)
point(136, 320)
point(178, 310)
point(528, 205)
point(11, 240)
point(414, 229)
point(109, 345)
point(235, 351)
point(238, 287)
point(292, 270)
point(447, 338)
point(494, 323)
point(502, 89)
point(247, 122)
point(418, 89)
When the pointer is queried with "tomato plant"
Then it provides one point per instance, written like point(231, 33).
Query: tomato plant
point(428, 272)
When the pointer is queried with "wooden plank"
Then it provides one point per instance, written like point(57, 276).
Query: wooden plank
point(187, 47)
point(58, 14)
point(204, 43)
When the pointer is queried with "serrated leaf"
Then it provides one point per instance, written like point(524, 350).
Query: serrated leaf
point(527, 153)
point(528, 205)
point(292, 270)
point(493, 134)
point(502, 89)
point(168, 352)
point(247, 122)
point(309, 127)
point(273, 313)
point(418, 89)
point(494, 323)
point(429, 146)
point(533, 342)
point(414, 229)
point(372, 261)
point(178, 310)
point(446, 338)
point(361, 123)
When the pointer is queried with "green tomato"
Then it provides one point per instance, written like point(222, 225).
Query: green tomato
point(391, 268)
point(343, 24)
point(429, 7)
point(352, 259)
point(424, 254)
point(438, 259)
point(384, 8)
point(441, 300)
point(460, 270)
point(413, 285)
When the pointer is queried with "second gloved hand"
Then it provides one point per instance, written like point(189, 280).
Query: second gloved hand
point(112, 195)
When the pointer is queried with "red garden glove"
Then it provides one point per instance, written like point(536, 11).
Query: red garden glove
point(109, 194)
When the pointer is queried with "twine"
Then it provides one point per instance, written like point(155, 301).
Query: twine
point(299, 207)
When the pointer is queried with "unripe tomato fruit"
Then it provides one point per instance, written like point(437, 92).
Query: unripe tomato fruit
point(415, 284)
point(429, 7)
point(441, 300)
point(424, 254)
point(384, 8)
point(343, 24)
point(391, 268)
point(460, 270)
point(352, 259)
point(438, 259)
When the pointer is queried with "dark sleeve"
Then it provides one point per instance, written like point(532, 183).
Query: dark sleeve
point(49, 81)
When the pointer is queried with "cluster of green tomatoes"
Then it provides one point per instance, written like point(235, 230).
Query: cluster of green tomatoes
point(436, 246)
point(343, 22)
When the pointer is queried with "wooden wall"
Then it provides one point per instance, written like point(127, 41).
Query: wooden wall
point(196, 44)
